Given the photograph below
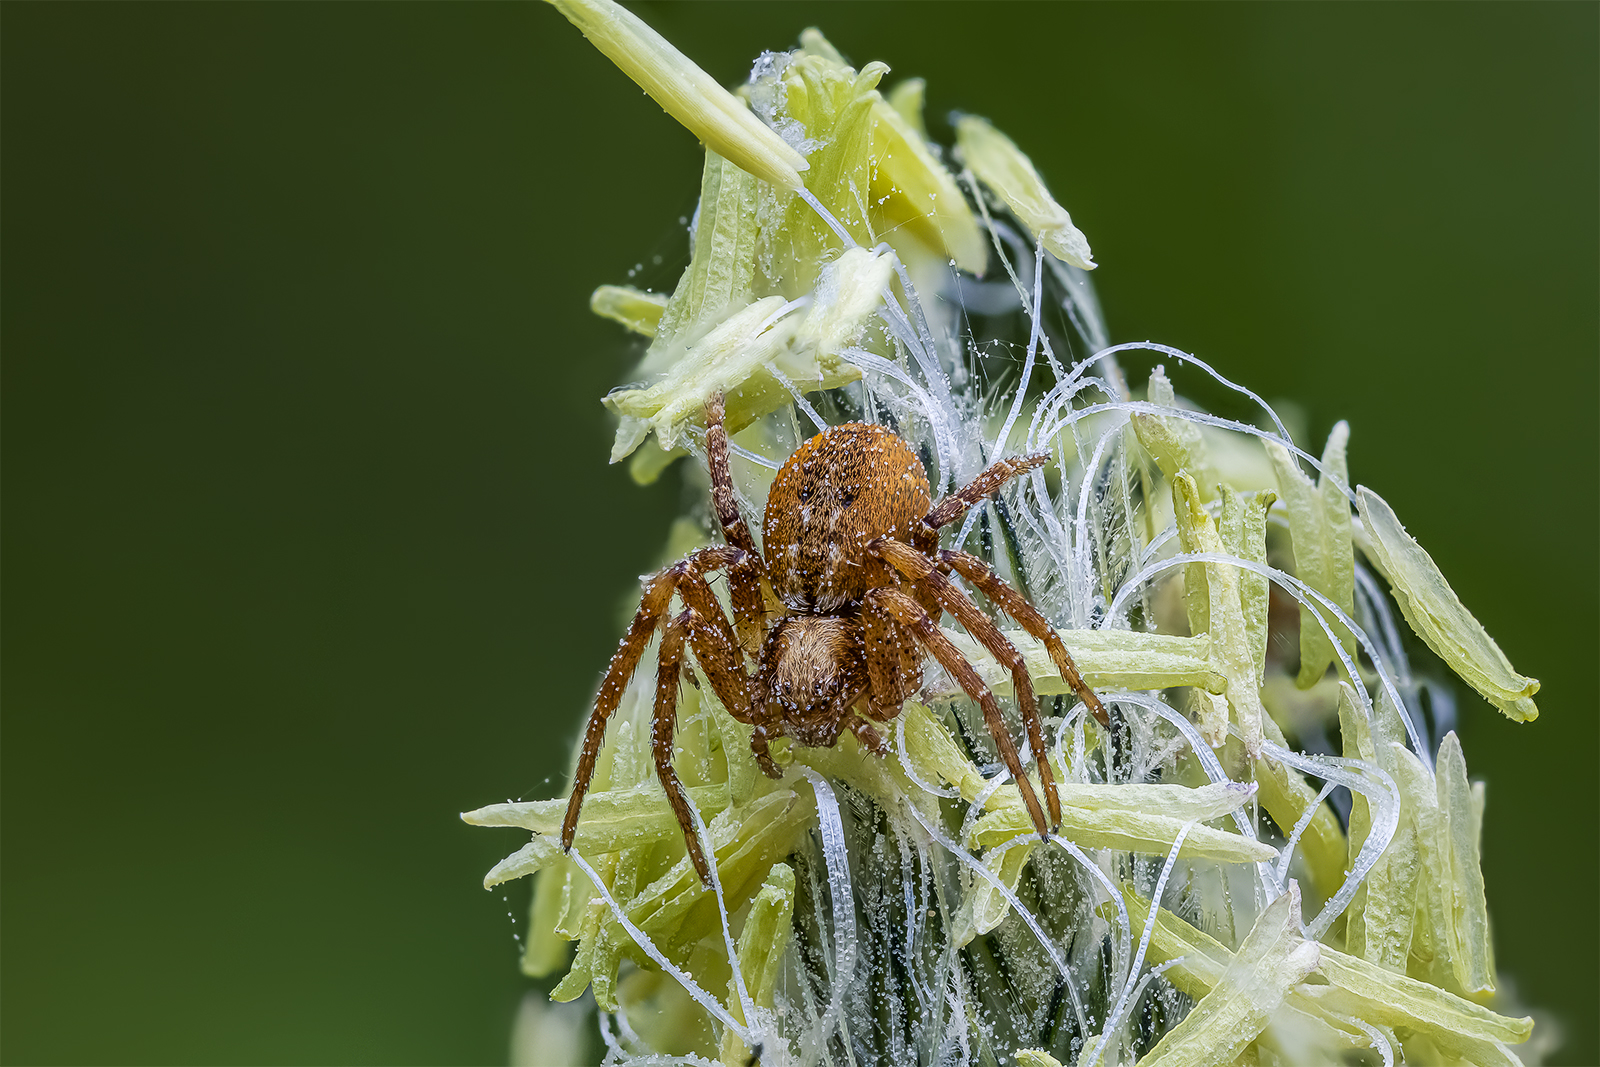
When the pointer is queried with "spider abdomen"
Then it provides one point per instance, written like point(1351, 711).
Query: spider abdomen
point(841, 490)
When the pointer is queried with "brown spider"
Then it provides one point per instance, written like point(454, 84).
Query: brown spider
point(852, 554)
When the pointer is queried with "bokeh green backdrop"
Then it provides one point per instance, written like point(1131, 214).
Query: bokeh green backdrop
point(309, 538)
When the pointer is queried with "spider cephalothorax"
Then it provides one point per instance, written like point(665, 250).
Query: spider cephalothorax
point(851, 540)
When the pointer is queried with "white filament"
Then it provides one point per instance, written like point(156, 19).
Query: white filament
point(842, 892)
point(701, 997)
point(982, 871)
point(1115, 1018)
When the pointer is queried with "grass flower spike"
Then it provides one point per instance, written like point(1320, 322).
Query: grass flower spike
point(1158, 784)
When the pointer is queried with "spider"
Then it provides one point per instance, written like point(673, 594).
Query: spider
point(851, 551)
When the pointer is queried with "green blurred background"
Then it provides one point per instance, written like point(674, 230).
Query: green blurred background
point(310, 541)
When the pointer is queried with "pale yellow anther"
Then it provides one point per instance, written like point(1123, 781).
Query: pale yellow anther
point(906, 98)
point(1003, 168)
point(687, 93)
point(634, 308)
point(927, 190)
point(1033, 1057)
point(1437, 615)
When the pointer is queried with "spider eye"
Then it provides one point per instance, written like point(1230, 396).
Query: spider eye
point(848, 498)
point(805, 493)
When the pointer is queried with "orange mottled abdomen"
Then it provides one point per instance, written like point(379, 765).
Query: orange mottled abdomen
point(840, 490)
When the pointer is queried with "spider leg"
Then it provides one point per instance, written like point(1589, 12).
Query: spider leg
point(734, 529)
point(719, 660)
point(696, 593)
point(1016, 605)
point(909, 613)
point(984, 485)
point(716, 647)
point(745, 577)
point(684, 578)
point(920, 569)
point(652, 606)
point(664, 721)
point(893, 666)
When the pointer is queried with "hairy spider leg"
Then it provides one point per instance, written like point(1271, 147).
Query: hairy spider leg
point(711, 640)
point(658, 589)
point(894, 667)
point(725, 677)
point(906, 611)
point(684, 578)
point(920, 569)
point(1014, 604)
point(986, 484)
point(746, 577)
point(696, 593)
point(664, 721)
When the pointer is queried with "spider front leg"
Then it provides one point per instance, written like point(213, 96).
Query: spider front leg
point(726, 676)
point(652, 606)
point(664, 722)
point(745, 578)
point(914, 565)
point(717, 650)
point(718, 657)
point(1016, 605)
point(893, 665)
point(908, 613)
point(986, 484)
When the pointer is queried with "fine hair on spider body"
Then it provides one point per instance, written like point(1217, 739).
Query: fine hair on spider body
point(852, 560)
